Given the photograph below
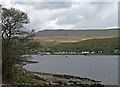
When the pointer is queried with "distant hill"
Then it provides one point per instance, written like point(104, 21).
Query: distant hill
point(63, 36)
point(82, 33)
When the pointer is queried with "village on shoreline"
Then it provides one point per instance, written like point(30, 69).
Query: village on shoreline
point(74, 53)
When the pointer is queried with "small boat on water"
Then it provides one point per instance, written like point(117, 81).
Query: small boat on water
point(66, 56)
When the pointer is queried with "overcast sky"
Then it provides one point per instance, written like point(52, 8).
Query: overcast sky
point(68, 15)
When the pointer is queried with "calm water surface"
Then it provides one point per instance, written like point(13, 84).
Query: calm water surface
point(99, 67)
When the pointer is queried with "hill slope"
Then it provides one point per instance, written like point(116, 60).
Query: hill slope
point(64, 36)
point(107, 45)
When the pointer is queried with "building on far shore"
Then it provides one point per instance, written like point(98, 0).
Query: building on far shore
point(85, 52)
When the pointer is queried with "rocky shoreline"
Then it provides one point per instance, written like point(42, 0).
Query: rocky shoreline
point(58, 80)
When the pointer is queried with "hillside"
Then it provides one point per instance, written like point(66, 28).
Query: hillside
point(64, 36)
point(107, 45)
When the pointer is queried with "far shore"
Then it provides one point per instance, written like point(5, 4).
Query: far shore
point(77, 54)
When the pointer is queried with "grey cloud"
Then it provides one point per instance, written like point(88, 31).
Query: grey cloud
point(96, 15)
point(68, 19)
point(47, 5)
point(80, 15)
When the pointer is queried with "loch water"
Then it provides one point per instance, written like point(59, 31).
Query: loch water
point(99, 67)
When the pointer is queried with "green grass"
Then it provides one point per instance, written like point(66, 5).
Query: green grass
point(21, 80)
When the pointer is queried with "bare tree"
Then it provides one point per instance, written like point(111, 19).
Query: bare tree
point(12, 22)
